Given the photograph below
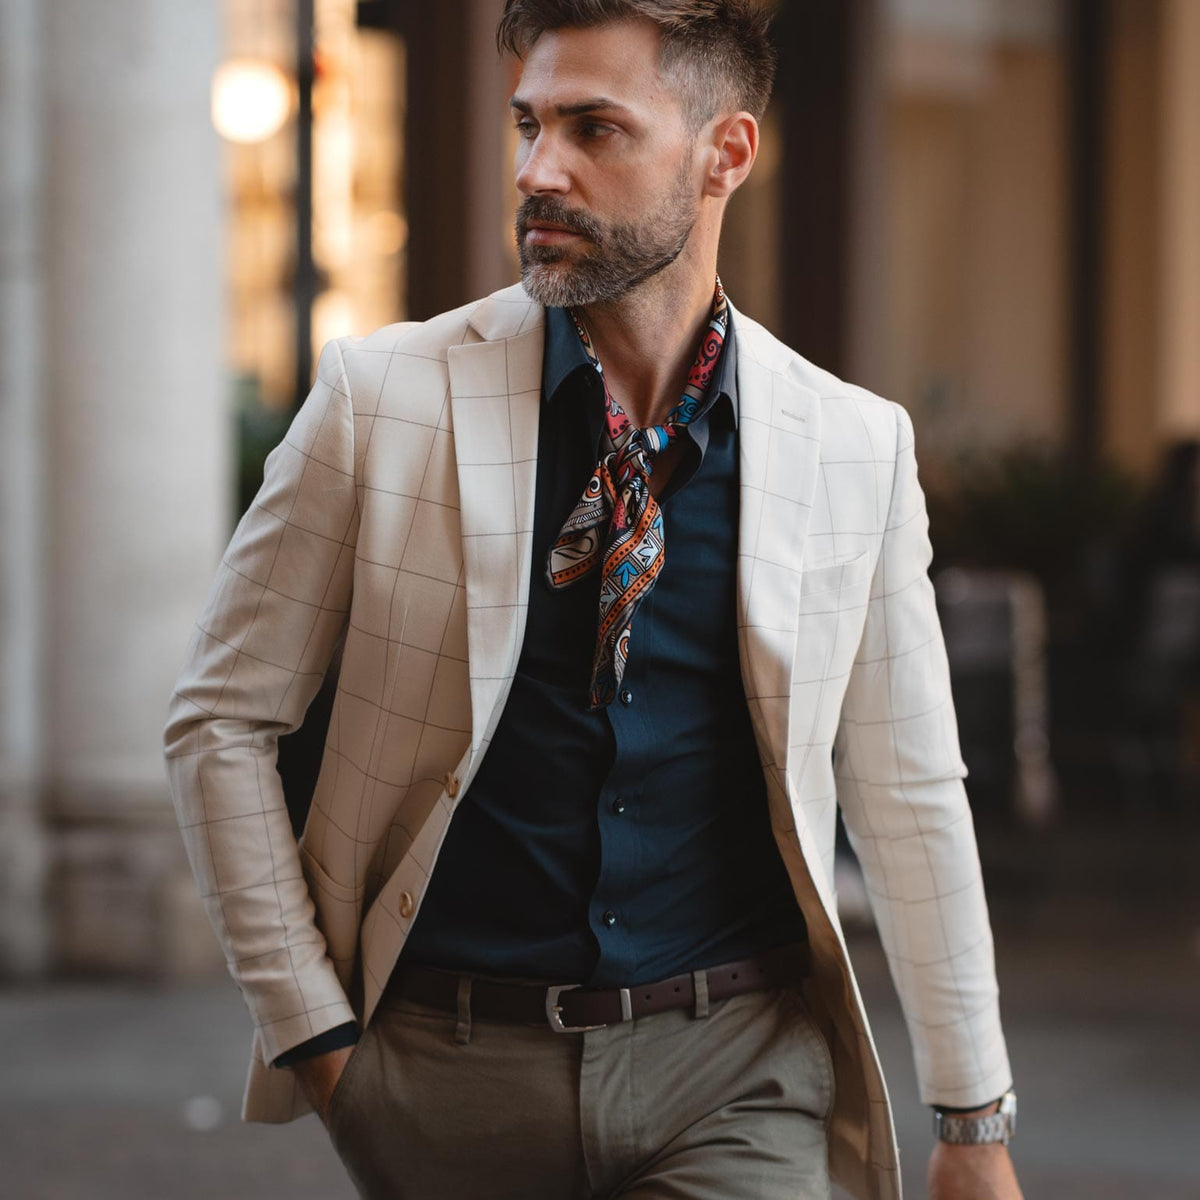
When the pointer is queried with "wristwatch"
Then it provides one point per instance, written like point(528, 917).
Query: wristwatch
point(979, 1131)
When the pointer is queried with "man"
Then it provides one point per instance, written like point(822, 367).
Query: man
point(621, 579)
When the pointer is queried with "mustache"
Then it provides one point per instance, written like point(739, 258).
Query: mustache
point(535, 209)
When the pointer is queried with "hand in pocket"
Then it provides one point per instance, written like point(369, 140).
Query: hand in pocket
point(319, 1076)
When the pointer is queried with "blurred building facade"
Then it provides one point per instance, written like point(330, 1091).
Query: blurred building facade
point(988, 210)
point(114, 438)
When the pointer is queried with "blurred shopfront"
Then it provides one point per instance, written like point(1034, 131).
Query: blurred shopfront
point(988, 210)
point(984, 209)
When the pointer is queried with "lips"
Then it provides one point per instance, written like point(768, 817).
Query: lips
point(547, 221)
point(549, 235)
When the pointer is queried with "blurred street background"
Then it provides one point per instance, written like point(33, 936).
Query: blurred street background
point(987, 210)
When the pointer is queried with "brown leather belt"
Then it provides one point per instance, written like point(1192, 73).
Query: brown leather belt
point(570, 1008)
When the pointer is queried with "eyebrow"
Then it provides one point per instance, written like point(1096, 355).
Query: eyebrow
point(578, 109)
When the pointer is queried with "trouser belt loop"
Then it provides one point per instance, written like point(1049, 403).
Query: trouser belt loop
point(700, 992)
point(462, 1031)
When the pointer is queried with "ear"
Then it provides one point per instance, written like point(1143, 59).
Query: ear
point(732, 150)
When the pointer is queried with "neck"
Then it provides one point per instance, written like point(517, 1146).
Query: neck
point(647, 341)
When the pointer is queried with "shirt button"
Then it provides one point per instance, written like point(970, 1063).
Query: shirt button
point(618, 806)
point(626, 696)
point(609, 918)
point(450, 783)
point(406, 904)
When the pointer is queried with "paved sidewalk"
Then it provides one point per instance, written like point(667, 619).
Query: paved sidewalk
point(115, 1092)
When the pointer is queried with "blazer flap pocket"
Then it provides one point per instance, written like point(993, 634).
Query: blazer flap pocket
point(836, 575)
point(319, 879)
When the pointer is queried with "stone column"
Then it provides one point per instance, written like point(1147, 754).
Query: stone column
point(23, 932)
point(138, 436)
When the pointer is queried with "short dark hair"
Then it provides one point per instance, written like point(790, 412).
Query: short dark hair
point(718, 49)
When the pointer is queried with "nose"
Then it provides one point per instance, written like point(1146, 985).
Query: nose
point(540, 167)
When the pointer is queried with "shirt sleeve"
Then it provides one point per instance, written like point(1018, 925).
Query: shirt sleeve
point(336, 1038)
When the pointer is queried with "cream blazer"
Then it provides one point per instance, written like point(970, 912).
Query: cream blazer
point(399, 510)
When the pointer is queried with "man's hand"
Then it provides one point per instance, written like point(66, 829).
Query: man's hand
point(972, 1173)
point(319, 1076)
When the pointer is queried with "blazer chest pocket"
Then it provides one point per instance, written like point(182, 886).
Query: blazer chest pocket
point(832, 610)
point(821, 584)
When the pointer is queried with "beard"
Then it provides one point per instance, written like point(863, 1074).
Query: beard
point(619, 256)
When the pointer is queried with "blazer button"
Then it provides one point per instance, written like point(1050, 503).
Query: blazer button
point(450, 783)
point(406, 904)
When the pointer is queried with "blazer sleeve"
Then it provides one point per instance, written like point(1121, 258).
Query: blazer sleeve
point(899, 779)
point(259, 652)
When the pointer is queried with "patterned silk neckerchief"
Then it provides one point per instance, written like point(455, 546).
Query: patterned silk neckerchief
point(617, 522)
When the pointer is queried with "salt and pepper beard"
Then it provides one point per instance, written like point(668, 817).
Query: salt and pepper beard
point(621, 256)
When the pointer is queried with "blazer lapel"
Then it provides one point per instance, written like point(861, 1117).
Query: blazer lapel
point(779, 437)
point(495, 392)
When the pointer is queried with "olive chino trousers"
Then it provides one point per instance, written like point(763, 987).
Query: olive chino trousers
point(728, 1102)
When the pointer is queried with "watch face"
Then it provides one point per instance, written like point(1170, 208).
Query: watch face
point(1008, 1108)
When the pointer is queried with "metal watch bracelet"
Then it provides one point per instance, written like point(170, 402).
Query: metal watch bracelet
point(979, 1131)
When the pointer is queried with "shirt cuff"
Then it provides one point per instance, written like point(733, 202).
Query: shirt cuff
point(336, 1038)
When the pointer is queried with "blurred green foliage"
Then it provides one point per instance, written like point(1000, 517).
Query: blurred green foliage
point(258, 431)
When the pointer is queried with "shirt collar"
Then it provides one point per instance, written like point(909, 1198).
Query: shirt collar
point(564, 355)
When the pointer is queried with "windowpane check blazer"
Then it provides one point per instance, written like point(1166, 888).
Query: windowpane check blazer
point(398, 512)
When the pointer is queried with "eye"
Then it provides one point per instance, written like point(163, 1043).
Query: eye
point(527, 129)
point(594, 129)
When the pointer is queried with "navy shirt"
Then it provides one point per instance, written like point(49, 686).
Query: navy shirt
point(632, 843)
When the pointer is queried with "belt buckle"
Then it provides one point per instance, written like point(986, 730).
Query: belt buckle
point(554, 1009)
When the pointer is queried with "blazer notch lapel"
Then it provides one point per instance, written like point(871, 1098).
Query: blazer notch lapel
point(495, 392)
point(779, 426)
point(506, 314)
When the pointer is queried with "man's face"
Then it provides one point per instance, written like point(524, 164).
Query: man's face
point(604, 165)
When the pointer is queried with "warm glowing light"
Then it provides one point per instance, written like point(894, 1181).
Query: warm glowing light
point(387, 232)
point(332, 317)
point(251, 100)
